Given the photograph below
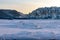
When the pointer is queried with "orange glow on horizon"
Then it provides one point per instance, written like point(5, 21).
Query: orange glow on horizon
point(24, 8)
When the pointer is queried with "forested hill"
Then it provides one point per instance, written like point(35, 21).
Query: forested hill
point(40, 13)
point(46, 13)
point(9, 14)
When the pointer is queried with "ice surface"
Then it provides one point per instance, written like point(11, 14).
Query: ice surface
point(38, 29)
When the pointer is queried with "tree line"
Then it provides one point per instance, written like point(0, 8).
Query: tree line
point(39, 13)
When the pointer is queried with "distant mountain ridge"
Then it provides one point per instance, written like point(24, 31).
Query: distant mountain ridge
point(9, 14)
point(46, 13)
point(40, 13)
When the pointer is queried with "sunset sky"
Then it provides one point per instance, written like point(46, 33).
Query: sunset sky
point(26, 6)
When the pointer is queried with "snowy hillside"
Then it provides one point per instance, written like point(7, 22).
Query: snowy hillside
point(35, 29)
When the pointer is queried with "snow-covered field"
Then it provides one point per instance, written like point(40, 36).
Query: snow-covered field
point(37, 29)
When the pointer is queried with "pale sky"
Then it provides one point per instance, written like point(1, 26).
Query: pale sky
point(26, 6)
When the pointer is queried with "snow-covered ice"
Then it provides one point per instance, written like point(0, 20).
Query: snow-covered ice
point(39, 29)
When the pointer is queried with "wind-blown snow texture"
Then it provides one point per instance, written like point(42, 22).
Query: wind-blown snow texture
point(36, 29)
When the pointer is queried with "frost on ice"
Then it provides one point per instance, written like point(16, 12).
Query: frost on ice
point(38, 29)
